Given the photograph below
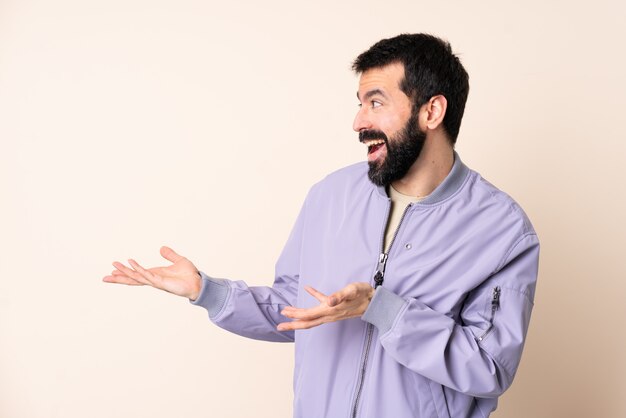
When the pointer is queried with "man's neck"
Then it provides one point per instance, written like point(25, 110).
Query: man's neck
point(428, 171)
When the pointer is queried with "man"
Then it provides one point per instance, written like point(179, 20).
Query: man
point(407, 283)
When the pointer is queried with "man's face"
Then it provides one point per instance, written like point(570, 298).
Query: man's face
point(387, 124)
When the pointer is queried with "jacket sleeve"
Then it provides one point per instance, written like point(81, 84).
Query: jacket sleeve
point(251, 311)
point(478, 355)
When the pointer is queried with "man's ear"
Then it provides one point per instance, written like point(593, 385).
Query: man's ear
point(433, 112)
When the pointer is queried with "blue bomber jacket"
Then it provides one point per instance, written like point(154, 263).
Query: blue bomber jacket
point(444, 332)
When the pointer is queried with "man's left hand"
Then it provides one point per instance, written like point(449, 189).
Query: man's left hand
point(349, 302)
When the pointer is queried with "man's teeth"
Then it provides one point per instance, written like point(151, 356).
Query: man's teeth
point(373, 142)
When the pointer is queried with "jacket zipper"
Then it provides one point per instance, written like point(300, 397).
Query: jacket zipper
point(379, 277)
point(495, 304)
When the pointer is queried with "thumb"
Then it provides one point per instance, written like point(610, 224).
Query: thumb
point(169, 254)
point(335, 299)
point(347, 293)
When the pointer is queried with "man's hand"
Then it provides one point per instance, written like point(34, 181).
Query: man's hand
point(349, 302)
point(181, 278)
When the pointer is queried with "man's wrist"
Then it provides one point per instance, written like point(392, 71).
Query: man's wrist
point(196, 288)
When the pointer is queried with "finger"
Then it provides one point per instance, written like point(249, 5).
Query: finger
point(295, 325)
point(298, 313)
point(347, 293)
point(119, 273)
point(151, 275)
point(337, 297)
point(305, 314)
point(170, 255)
point(139, 269)
point(130, 272)
point(316, 294)
point(120, 279)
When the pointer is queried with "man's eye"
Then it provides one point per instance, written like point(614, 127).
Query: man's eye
point(376, 104)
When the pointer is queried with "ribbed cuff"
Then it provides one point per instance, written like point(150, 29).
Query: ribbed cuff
point(383, 309)
point(213, 294)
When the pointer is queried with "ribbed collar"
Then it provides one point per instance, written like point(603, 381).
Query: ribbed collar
point(453, 182)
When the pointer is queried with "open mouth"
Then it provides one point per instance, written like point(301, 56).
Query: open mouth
point(373, 145)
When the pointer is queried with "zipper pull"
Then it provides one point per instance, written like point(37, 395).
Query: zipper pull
point(495, 299)
point(379, 276)
point(378, 279)
point(495, 304)
point(382, 260)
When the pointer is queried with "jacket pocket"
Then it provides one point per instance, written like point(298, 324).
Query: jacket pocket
point(495, 305)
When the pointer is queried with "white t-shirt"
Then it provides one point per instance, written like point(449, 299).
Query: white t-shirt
point(399, 202)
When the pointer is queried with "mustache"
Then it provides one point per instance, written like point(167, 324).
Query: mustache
point(372, 134)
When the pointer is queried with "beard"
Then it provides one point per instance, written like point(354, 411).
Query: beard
point(403, 149)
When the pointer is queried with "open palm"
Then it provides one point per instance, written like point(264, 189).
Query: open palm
point(181, 278)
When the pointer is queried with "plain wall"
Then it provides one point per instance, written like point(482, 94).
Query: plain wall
point(126, 125)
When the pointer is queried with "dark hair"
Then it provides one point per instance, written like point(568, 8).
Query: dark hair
point(430, 69)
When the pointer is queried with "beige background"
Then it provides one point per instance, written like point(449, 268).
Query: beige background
point(125, 125)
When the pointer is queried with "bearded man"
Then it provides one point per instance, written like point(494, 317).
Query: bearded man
point(407, 283)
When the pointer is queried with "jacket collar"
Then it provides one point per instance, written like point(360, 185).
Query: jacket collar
point(453, 182)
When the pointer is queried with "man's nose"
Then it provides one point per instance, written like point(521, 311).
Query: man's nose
point(361, 121)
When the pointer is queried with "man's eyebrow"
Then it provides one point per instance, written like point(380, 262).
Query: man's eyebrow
point(371, 93)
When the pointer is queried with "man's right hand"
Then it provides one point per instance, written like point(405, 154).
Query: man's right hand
point(181, 278)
